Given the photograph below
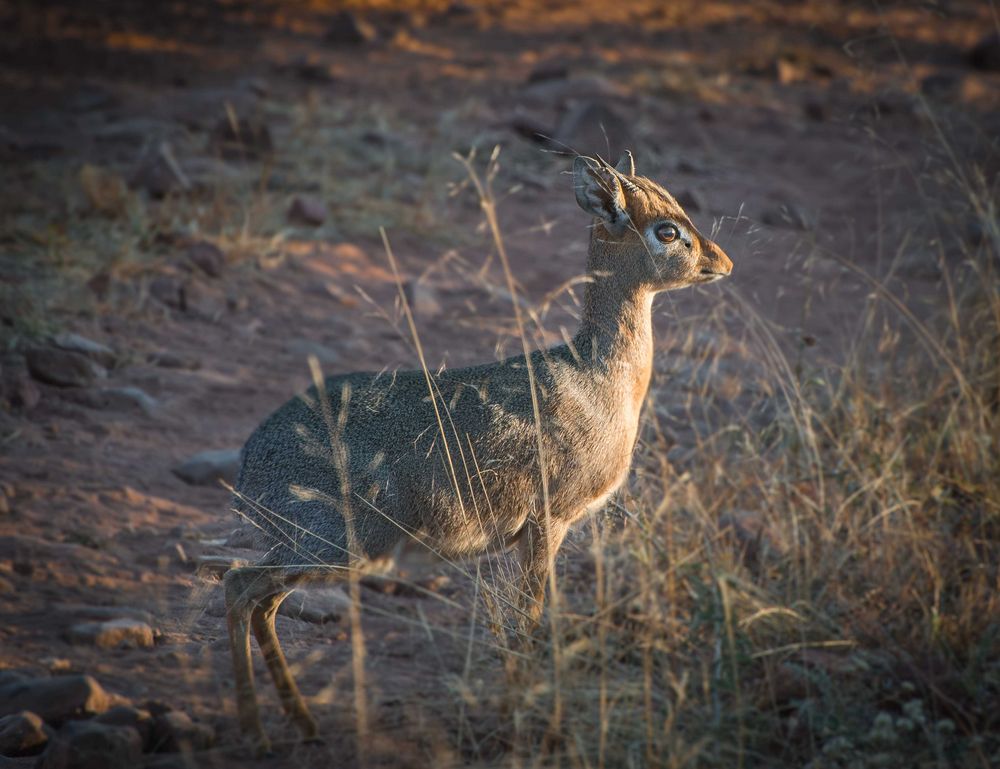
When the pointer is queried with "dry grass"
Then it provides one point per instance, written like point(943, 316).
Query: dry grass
point(814, 582)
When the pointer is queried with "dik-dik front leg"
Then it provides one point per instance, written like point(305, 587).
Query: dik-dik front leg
point(538, 546)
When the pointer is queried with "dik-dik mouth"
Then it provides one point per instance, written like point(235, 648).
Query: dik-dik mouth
point(710, 276)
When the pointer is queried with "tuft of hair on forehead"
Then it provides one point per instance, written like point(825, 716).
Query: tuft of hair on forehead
point(650, 195)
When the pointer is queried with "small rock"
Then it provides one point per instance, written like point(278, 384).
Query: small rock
point(345, 28)
point(105, 190)
point(207, 257)
point(985, 54)
point(118, 399)
point(593, 128)
point(319, 605)
point(307, 210)
point(175, 732)
point(159, 173)
point(170, 291)
point(691, 200)
point(786, 215)
point(64, 368)
point(208, 467)
point(93, 350)
point(90, 745)
point(422, 298)
point(22, 734)
point(242, 139)
point(789, 70)
point(113, 634)
point(55, 699)
point(127, 715)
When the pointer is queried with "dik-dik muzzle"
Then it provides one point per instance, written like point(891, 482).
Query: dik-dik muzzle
point(714, 263)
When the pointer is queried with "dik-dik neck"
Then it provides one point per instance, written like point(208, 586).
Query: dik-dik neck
point(616, 330)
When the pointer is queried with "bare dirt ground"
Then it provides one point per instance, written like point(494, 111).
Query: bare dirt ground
point(798, 132)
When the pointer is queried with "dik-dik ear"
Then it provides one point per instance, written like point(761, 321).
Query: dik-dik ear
point(599, 192)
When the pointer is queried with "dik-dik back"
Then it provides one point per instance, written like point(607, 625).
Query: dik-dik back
point(371, 446)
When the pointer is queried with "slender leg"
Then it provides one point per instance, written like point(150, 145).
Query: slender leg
point(262, 621)
point(240, 587)
point(537, 547)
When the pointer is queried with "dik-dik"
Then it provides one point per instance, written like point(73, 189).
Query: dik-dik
point(453, 462)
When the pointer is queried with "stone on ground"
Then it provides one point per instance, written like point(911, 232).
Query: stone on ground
point(175, 732)
point(22, 734)
point(113, 634)
point(208, 467)
point(96, 351)
point(63, 368)
point(90, 745)
point(55, 699)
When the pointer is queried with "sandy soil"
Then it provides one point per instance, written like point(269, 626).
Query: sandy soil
point(747, 109)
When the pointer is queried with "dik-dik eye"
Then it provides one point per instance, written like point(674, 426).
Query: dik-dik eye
point(667, 233)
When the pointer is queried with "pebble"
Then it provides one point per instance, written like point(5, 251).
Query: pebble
point(96, 351)
point(91, 745)
point(22, 734)
point(55, 699)
point(209, 467)
point(139, 719)
point(119, 399)
point(63, 368)
point(113, 634)
point(175, 732)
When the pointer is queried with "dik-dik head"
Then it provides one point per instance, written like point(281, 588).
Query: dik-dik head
point(642, 234)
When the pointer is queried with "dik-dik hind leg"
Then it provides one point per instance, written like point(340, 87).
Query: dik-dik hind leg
point(247, 589)
point(537, 549)
point(262, 621)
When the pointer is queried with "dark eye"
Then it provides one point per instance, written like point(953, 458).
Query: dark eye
point(667, 233)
